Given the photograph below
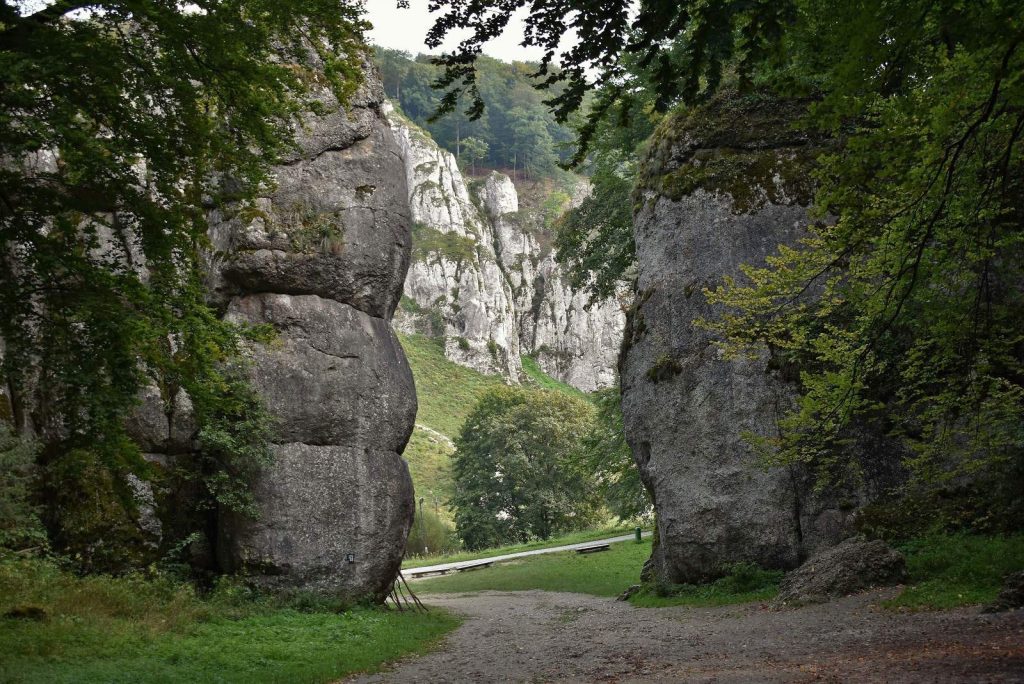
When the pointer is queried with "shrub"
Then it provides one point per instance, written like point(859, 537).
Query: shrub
point(430, 534)
point(20, 527)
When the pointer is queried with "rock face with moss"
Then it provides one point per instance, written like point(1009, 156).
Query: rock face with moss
point(723, 186)
point(322, 259)
point(483, 279)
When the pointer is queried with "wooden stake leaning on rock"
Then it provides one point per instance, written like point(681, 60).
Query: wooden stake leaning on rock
point(419, 604)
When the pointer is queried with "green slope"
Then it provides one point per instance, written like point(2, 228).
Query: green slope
point(447, 392)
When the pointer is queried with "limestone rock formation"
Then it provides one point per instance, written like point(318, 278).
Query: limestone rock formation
point(847, 568)
point(322, 259)
point(482, 278)
point(724, 185)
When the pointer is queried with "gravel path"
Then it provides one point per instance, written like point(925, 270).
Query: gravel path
point(537, 636)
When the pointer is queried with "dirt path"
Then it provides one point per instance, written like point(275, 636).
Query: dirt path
point(539, 636)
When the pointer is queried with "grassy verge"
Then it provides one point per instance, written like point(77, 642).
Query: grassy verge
point(947, 571)
point(607, 573)
point(133, 629)
point(572, 538)
point(746, 583)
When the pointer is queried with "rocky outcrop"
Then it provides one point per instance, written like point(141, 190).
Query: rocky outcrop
point(322, 259)
point(724, 185)
point(483, 279)
point(847, 568)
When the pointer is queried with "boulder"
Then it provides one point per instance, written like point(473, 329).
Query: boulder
point(322, 259)
point(337, 226)
point(331, 519)
point(847, 568)
point(334, 375)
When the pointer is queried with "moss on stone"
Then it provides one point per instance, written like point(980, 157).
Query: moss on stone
point(430, 243)
point(746, 147)
point(665, 368)
point(96, 523)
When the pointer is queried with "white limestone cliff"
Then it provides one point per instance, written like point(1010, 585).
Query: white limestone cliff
point(482, 280)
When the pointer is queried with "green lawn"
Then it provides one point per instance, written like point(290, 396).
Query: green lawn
point(607, 573)
point(572, 538)
point(101, 629)
point(957, 570)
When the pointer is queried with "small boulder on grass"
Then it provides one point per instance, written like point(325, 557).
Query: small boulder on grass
point(847, 568)
point(1011, 596)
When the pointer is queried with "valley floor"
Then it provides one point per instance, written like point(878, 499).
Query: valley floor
point(548, 636)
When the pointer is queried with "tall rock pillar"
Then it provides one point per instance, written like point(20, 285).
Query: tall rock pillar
point(724, 185)
point(322, 259)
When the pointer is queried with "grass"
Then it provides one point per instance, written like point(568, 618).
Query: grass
point(564, 540)
point(429, 459)
point(607, 573)
point(135, 629)
point(536, 375)
point(447, 392)
point(947, 571)
point(745, 583)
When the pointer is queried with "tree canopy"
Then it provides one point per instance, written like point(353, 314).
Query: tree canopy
point(521, 134)
point(518, 471)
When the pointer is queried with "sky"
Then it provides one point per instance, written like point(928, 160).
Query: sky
point(405, 29)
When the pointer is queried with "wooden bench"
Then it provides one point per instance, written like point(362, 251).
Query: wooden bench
point(479, 564)
point(475, 566)
point(593, 548)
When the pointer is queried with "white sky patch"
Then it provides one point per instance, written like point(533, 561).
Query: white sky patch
point(406, 29)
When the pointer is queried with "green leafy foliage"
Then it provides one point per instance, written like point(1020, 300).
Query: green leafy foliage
point(94, 522)
point(516, 131)
point(517, 469)
point(20, 526)
point(430, 534)
point(902, 307)
point(950, 570)
point(684, 49)
point(607, 455)
point(121, 125)
point(904, 310)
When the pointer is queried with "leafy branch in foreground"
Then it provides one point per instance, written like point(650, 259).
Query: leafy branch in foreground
point(905, 309)
point(121, 124)
point(903, 306)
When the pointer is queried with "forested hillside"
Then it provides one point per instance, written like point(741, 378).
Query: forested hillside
point(515, 131)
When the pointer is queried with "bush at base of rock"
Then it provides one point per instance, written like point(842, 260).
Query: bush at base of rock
point(1011, 596)
point(850, 567)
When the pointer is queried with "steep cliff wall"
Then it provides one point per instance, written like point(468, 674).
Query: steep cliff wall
point(482, 278)
point(724, 186)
